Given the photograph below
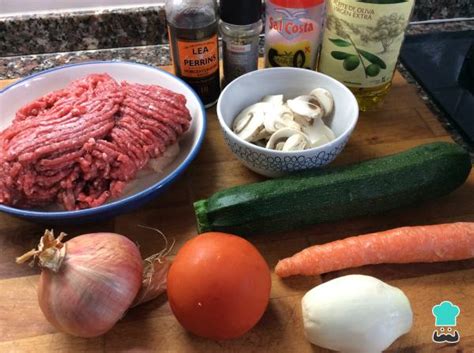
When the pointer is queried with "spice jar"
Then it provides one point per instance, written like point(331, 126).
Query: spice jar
point(240, 26)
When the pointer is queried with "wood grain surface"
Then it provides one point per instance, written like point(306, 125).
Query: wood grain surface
point(402, 122)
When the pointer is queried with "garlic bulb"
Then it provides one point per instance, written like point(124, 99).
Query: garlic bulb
point(356, 314)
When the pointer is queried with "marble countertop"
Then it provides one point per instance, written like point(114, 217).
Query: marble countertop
point(102, 28)
point(158, 55)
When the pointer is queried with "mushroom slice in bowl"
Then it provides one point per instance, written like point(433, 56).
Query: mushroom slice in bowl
point(293, 140)
point(318, 133)
point(324, 98)
point(306, 106)
point(274, 99)
point(278, 117)
point(249, 123)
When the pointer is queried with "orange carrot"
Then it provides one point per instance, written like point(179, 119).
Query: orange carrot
point(434, 243)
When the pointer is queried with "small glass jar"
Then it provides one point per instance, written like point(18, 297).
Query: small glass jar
point(240, 26)
point(239, 48)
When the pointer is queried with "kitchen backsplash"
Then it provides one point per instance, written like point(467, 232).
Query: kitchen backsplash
point(88, 30)
point(85, 30)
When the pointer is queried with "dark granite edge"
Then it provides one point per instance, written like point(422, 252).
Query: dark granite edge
point(64, 31)
point(24, 65)
point(82, 13)
point(83, 30)
point(424, 10)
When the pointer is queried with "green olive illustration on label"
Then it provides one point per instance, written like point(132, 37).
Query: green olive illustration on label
point(351, 62)
point(371, 63)
point(339, 55)
point(372, 70)
point(374, 59)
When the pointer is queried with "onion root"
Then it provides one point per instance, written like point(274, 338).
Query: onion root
point(50, 253)
point(155, 269)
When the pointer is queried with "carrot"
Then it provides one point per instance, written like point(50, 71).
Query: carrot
point(433, 243)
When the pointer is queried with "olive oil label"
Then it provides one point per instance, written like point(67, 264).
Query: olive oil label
point(198, 58)
point(293, 35)
point(362, 40)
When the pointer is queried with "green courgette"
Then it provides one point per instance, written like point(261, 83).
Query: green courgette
point(370, 187)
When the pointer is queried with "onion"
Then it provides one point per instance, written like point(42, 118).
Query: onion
point(155, 273)
point(89, 282)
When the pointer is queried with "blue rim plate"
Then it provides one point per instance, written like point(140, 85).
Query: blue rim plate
point(127, 203)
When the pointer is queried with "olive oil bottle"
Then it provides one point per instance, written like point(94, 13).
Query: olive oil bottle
point(361, 44)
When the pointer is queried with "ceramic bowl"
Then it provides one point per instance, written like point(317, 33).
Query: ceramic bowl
point(250, 88)
point(23, 91)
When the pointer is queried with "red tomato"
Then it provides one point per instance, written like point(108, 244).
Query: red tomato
point(218, 286)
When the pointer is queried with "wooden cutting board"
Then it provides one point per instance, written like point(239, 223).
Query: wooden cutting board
point(402, 122)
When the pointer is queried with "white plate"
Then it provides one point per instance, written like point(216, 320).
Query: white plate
point(28, 89)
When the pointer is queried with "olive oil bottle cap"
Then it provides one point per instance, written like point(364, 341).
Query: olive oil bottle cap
point(240, 12)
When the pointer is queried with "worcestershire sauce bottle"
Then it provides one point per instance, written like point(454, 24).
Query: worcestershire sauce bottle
point(192, 28)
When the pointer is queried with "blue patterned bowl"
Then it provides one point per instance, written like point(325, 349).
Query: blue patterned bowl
point(291, 82)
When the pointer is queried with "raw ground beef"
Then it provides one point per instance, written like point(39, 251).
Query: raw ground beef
point(80, 145)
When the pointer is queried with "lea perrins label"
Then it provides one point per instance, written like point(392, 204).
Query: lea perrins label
point(198, 58)
point(362, 40)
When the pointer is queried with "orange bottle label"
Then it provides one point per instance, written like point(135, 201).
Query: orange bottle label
point(198, 59)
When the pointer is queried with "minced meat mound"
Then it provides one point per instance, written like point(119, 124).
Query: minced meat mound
point(79, 146)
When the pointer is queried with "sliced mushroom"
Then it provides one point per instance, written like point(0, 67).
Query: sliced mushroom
point(302, 121)
point(279, 146)
point(318, 133)
point(296, 142)
point(274, 99)
point(283, 135)
point(321, 140)
point(261, 143)
point(263, 134)
point(325, 99)
point(278, 117)
point(306, 106)
point(241, 122)
point(291, 126)
point(324, 129)
point(248, 124)
point(329, 133)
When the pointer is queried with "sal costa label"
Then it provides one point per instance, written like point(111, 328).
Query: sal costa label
point(293, 32)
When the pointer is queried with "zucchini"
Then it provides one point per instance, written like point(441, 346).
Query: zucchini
point(370, 187)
